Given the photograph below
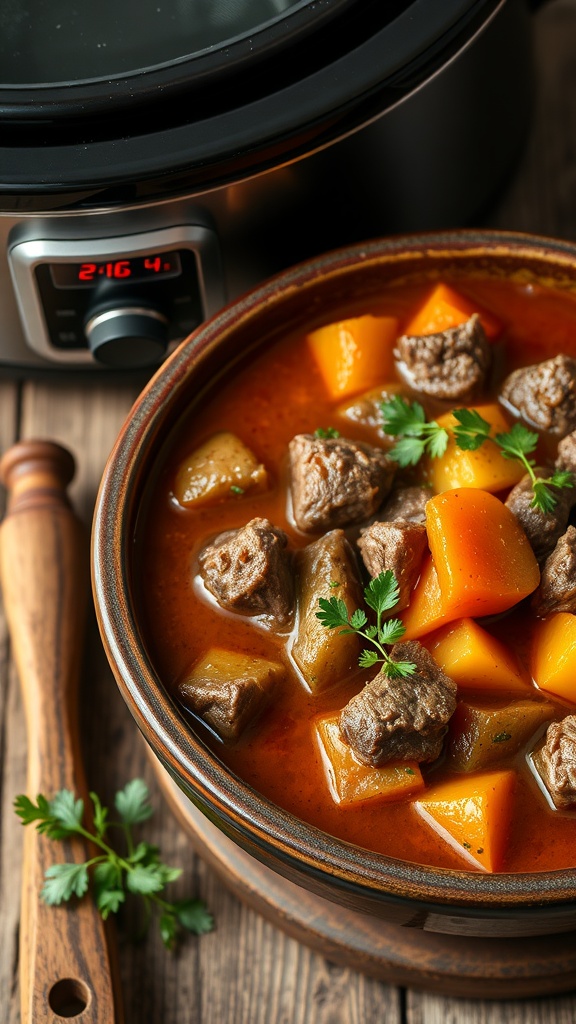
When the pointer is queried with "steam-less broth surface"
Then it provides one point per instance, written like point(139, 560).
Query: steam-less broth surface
point(268, 399)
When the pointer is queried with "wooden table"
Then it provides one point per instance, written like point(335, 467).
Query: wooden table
point(247, 971)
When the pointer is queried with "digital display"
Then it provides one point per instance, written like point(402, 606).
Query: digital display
point(130, 268)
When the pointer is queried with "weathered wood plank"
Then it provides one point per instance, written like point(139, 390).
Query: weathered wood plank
point(12, 769)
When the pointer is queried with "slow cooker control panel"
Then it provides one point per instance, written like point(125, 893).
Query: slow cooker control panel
point(120, 302)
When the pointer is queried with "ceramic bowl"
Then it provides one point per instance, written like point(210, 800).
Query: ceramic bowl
point(456, 901)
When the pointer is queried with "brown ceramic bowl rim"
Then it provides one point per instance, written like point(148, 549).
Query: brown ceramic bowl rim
point(255, 822)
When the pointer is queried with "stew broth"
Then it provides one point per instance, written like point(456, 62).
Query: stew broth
point(266, 401)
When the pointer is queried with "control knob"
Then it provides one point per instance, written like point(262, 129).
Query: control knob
point(128, 335)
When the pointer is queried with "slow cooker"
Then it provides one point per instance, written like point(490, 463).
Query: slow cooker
point(157, 157)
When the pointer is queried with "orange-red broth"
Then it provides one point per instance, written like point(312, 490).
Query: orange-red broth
point(276, 395)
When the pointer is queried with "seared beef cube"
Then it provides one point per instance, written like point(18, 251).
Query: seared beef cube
point(403, 718)
point(566, 456)
point(229, 690)
point(557, 589)
point(366, 410)
point(407, 504)
point(398, 546)
point(543, 529)
point(450, 365)
point(556, 761)
point(336, 482)
point(250, 571)
point(327, 568)
point(545, 394)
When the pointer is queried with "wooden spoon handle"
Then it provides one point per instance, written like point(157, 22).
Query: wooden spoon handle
point(66, 967)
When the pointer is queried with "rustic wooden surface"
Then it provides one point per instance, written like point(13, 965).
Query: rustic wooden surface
point(246, 971)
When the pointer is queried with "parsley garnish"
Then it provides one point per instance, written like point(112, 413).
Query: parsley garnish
point(326, 432)
point(137, 870)
point(381, 595)
point(408, 422)
point(236, 490)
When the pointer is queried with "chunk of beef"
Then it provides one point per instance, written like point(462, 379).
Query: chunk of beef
point(545, 394)
point(557, 761)
point(450, 365)
point(557, 589)
point(566, 456)
point(229, 690)
point(398, 546)
point(543, 529)
point(336, 482)
point(366, 410)
point(403, 718)
point(407, 504)
point(250, 571)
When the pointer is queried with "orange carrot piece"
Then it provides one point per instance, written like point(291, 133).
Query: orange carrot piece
point(475, 659)
point(484, 561)
point(554, 655)
point(355, 355)
point(443, 308)
point(485, 468)
point(472, 813)
point(427, 610)
point(352, 782)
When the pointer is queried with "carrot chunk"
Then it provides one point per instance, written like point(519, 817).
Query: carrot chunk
point(485, 468)
point(472, 813)
point(427, 610)
point(443, 308)
point(352, 782)
point(355, 355)
point(482, 556)
point(475, 659)
point(554, 655)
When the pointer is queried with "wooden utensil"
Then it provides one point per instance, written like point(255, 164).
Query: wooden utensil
point(66, 966)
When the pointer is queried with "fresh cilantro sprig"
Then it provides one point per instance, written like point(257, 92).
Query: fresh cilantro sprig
point(407, 420)
point(325, 433)
point(470, 433)
point(381, 595)
point(138, 869)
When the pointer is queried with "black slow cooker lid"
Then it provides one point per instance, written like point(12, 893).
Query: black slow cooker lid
point(123, 91)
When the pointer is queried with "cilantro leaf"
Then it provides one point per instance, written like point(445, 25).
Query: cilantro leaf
point(381, 595)
point(66, 811)
point(326, 432)
point(518, 442)
point(382, 592)
point(62, 881)
point(132, 802)
point(139, 870)
point(333, 612)
point(407, 421)
point(472, 429)
point(193, 916)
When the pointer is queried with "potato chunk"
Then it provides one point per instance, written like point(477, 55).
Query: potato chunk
point(481, 735)
point(223, 467)
point(325, 568)
point(228, 690)
point(352, 782)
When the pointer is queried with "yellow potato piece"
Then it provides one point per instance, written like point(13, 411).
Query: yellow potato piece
point(482, 736)
point(352, 782)
point(223, 467)
point(485, 468)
